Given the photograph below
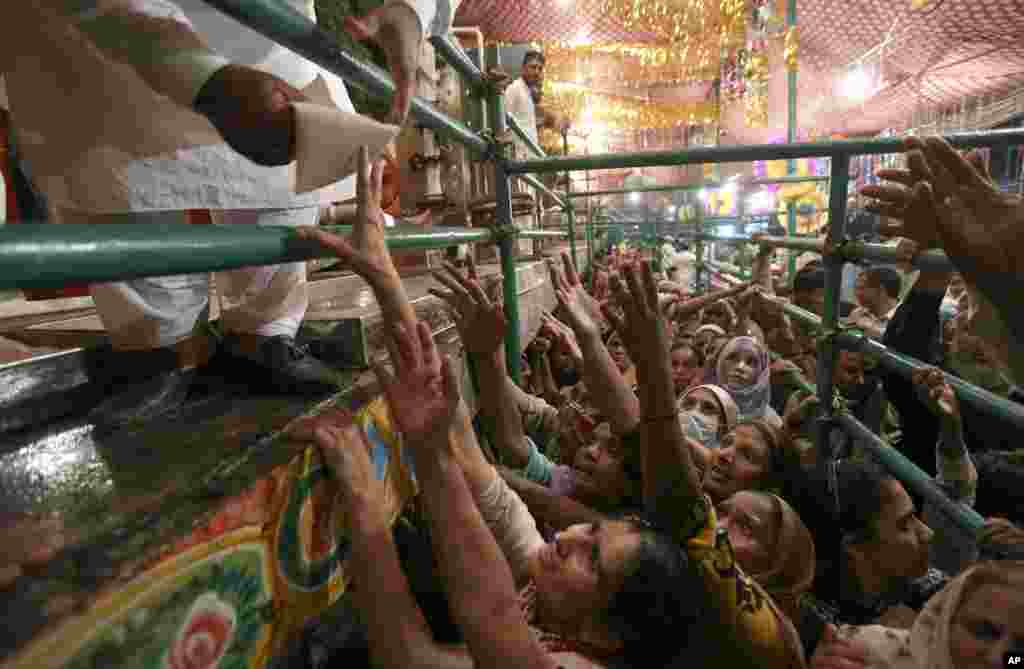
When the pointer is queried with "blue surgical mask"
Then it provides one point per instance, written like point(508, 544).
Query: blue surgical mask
point(699, 429)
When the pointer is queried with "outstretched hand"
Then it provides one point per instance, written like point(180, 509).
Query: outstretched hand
point(641, 326)
point(365, 251)
point(346, 451)
point(480, 321)
point(396, 29)
point(581, 311)
point(953, 202)
point(423, 392)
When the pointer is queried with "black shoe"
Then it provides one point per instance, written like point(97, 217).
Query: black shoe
point(139, 386)
point(285, 366)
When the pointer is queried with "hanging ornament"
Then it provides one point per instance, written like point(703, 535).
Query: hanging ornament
point(792, 46)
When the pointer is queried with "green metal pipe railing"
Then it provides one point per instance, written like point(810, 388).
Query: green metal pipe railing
point(512, 123)
point(746, 153)
point(459, 60)
point(281, 23)
point(850, 250)
point(50, 256)
point(535, 182)
point(744, 183)
point(827, 352)
point(978, 398)
point(917, 480)
point(543, 234)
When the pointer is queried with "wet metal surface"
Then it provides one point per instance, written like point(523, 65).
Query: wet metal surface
point(125, 495)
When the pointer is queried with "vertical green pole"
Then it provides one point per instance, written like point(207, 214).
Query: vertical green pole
point(569, 210)
point(791, 137)
point(830, 319)
point(507, 242)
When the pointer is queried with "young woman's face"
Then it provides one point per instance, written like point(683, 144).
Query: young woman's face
point(740, 368)
point(988, 624)
point(684, 367)
point(576, 573)
point(753, 526)
point(600, 477)
point(740, 463)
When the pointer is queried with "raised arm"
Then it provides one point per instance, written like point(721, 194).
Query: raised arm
point(671, 484)
point(481, 325)
point(424, 399)
point(615, 400)
point(365, 251)
point(558, 511)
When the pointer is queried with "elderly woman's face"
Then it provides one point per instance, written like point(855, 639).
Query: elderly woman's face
point(576, 573)
point(753, 526)
point(988, 624)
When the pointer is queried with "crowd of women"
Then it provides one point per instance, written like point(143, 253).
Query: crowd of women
point(648, 495)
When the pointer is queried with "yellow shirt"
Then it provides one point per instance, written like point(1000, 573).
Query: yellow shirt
point(751, 627)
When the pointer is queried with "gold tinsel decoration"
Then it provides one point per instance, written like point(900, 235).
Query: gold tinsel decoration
point(733, 15)
point(755, 110)
point(792, 46)
point(674, 21)
point(632, 65)
point(624, 113)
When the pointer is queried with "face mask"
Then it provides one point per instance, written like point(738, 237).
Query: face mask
point(699, 428)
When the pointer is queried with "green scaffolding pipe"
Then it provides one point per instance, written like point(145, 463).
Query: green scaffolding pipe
point(998, 407)
point(745, 153)
point(697, 187)
point(543, 234)
point(457, 58)
point(851, 250)
point(50, 256)
point(281, 23)
point(911, 475)
point(535, 182)
point(827, 351)
point(569, 209)
point(511, 121)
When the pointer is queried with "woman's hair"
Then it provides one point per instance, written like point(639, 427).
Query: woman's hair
point(860, 494)
point(661, 599)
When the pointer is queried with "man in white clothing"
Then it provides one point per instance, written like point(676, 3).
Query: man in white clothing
point(521, 98)
point(142, 111)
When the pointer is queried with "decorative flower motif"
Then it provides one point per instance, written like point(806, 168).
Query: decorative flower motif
point(206, 635)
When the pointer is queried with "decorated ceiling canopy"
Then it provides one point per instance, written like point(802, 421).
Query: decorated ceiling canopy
point(866, 64)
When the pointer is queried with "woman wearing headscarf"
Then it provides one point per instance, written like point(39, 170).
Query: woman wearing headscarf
point(977, 620)
point(772, 545)
point(707, 413)
point(743, 369)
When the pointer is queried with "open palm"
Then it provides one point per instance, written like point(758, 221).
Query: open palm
point(480, 321)
point(366, 250)
point(423, 392)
